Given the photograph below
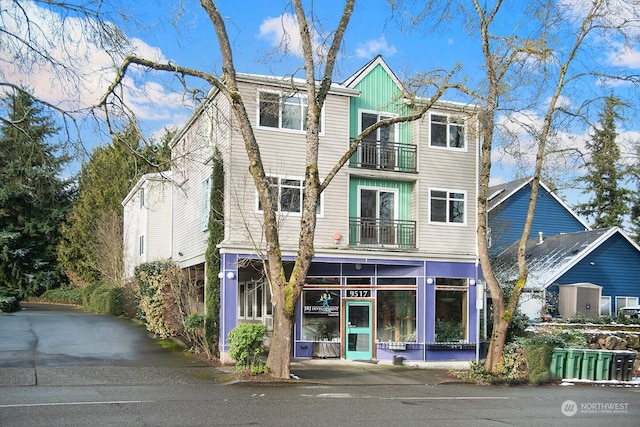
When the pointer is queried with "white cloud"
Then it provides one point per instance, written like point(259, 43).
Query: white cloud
point(282, 33)
point(90, 69)
point(374, 47)
point(625, 57)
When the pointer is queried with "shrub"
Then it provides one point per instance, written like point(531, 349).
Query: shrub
point(246, 347)
point(8, 303)
point(63, 296)
point(157, 304)
point(477, 373)
point(513, 365)
point(195, 333)
point(538, 362)
point(556, 337)
point(104, 299)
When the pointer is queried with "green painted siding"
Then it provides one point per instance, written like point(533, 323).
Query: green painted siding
point(404, 190)
point(379, 92)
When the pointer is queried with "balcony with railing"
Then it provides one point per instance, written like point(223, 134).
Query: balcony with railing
point(384, 155)
point(373, 232)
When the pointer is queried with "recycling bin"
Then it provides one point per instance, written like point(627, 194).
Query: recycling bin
point(603, 365)
point(558, 362)
point(588, 365)
point(574, 363)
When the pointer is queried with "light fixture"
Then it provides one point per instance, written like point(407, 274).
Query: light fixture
point(429, 280)
point(358, 266)
point(230, 275)
point(220, 275)
point(180, 254)
point(336, 237)
point(472, 282)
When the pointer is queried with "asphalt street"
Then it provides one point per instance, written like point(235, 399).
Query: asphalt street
point(60, 366)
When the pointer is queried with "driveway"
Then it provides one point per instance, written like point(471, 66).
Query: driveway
point(46, 344)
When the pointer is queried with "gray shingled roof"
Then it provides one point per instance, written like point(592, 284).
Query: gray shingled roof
point(550, 258)
point(500, 192)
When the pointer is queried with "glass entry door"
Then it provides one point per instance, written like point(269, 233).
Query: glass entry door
point(359, 330)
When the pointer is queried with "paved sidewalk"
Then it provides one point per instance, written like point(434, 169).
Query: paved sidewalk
point(350, 372)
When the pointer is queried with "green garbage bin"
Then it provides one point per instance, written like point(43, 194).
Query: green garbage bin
point(574, 363)
point(558, 361)
point(603, 365)
point(588, 365)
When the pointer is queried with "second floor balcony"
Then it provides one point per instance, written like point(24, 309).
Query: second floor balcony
point(382, 233)
point(385, 155)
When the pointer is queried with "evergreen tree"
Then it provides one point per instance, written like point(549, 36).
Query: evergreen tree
point(34, 198)
point(605, 173)
point(104, 182)
point(635, 198)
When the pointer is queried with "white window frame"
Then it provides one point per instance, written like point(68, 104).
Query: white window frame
point(205, 203)
point(396, 198)
point(605, 300)
point(628, 302)
point(386, 115)
point(266, 308)
point(447, 200)
point(451, 121)
point(280, 186)
point(284, 98)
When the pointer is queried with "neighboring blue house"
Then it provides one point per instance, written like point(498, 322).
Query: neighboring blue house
point(508, 204)
point(594, 272)
point(572, 268)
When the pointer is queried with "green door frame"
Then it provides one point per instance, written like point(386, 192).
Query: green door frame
point(358, 326)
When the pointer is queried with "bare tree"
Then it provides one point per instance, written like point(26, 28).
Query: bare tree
point(596, 16)
point(531, 64)
point(50, 38)
point(285, 290)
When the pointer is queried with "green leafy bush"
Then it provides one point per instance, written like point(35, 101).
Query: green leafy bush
point(104, 299)
point(154, 282)
point(477, 373)
point(63, 296)
point(246, 346)
point(513, 365)
point(8, 303)
point(556, 337)
point(538, 362)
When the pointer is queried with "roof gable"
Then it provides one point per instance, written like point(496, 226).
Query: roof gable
point(508, 205)
point(501, 193)
point(363, 72)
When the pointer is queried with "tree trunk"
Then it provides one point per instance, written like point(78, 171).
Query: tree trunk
point(496, 345)
point(281, 349)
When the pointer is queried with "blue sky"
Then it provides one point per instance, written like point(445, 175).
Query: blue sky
point(256, 29)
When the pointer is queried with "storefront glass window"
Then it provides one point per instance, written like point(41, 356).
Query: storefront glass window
point(451, 310)
point(396, 312)
point(321, 315)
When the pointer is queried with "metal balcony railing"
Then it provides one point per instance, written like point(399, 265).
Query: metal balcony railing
point(383, 155)
point(375, 232)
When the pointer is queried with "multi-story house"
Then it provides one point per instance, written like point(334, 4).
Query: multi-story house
point(571, 268)
point(395, 267)
point(147, 221)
